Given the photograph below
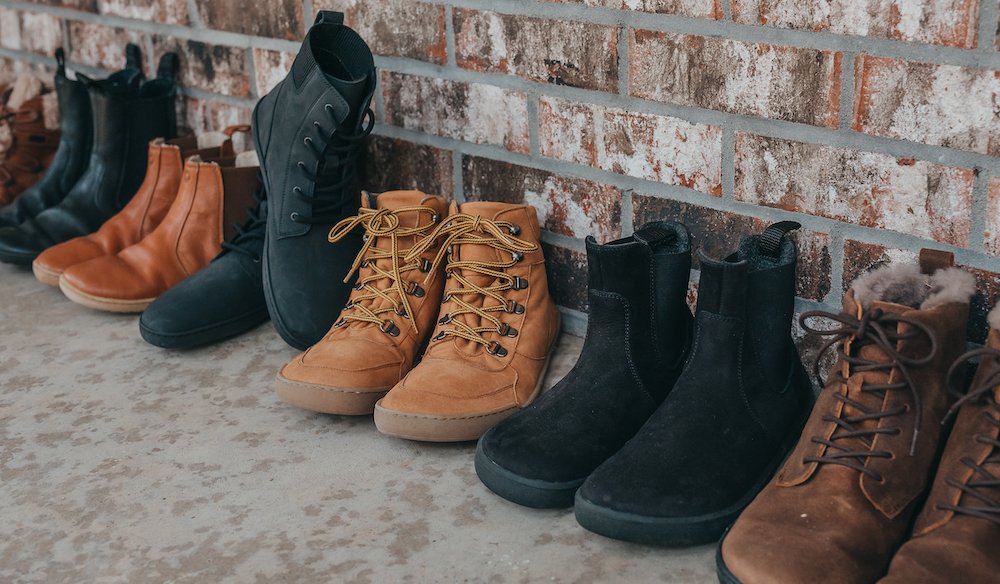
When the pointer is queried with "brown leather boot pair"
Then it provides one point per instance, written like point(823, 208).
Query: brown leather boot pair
point(462, 288)
point(173, 226)
point(845, 500)
point(31, 150)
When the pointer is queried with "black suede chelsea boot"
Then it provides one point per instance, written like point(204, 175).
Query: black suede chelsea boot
point(223, 300)
point(737, 408)
point(309, 131)
point(127, 113)
point(638, 337)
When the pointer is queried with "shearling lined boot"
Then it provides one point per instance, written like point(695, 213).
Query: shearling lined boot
point(845, 498)
point(638, 338)
point(389, 315)
point(957, 534)
point(731, 417)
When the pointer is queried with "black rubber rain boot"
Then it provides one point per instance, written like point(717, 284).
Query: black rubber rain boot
point(638, 337)
point(309, 131)
point(127, 114)
point(73, 154)
point(736, 410)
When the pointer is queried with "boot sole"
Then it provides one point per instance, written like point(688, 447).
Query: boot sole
point(725, 576)
point(431, 428)
point(203, 336)
point(328, 400)
point(524, 491)
point(103, 304)
point(45, 275)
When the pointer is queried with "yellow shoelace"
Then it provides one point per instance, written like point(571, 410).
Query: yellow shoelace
point(377, 224)
point(462, 229)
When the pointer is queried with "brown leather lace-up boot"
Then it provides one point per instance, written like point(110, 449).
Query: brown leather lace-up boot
point(843, 502)
point(31, 151)
point(491, 346)
point(957, 534)
point(141, 215)
point(212, 199)
point(389, 316)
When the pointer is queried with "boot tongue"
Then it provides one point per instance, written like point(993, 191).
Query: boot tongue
point(397, 199)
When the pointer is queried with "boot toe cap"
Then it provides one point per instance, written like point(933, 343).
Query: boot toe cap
point(452, 388)
point(59, 258)
point(351, 362)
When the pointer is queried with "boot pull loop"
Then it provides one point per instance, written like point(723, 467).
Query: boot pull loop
point(61, 61)
point(329, 17)
point(770, 241)
point(133, 57)
point(652, 235)
point(932, 260)
point(169, 64)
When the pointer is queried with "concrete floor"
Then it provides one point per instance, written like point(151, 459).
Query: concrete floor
point(120, 462)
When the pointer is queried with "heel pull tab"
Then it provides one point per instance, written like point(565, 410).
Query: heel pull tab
point(329, 17)
point(769, 242)
point(653, 235)
point(133, 57)
point(932, 260)
point(61, 61)
point(169, 65)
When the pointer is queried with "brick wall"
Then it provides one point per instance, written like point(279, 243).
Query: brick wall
point(872, 122)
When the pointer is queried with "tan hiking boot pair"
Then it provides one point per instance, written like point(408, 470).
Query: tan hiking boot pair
point(462, 289)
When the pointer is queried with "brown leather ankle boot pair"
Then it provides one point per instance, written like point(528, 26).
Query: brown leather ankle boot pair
point(462, 288)
point(173, 226)
point(845, 500)
point(32, 148)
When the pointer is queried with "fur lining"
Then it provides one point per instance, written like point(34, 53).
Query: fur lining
point(905, 284)
point(211, 140)
point(248, 158)
point(994, 317)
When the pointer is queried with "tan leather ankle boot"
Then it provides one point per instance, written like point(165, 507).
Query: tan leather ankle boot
point(389, 316)
point(31, 151)
point(957, 534)
point(491, 346)
point(148, 207)
point(844, 500)
point(211, 200)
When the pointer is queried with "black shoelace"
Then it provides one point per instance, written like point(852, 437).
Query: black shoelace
point(254, 229)
point(983, 480)
point(342, 149)
point(879, 328)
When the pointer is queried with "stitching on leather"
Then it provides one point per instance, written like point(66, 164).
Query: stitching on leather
point(628, 334)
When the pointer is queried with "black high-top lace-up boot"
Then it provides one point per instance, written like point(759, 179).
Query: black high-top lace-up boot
point(127, 113)
point(309, 131)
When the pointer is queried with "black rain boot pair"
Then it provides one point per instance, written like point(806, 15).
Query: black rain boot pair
point(660, 435)
point(126, 113)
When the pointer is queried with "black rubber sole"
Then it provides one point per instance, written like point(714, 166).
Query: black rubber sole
point(524, 491)
point(18, 259)
point(725, 576)
point(203, 336)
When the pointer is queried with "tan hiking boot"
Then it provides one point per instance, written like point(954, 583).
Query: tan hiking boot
point(491, 347)
point(845, 498)
point(389, 316)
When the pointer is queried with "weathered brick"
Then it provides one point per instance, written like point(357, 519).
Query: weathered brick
point(101, 46)
point(275, 18)
point(270, 67)
point(659, 148)
point(718, 233)
point(992, 237)
point(943, 105)
point(770, 81)
point(215, 68)
point(562, 52)
point(84, 5)
point(41, 33)
point(865, 188)
point(392, 164)
point(569, 206)
point(473, 112)
point(940, 22)
point(861, 257)
point(10, 29)
point(165, 11)
point(567, 273)
point(195, 115)
point(693, 8)
point(398, 28)
point(10, 69)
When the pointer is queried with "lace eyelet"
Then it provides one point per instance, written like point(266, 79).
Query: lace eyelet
point(495, 348)
point(388, 327)
point(435, 218)
point(307, 141)
point(515, 230)
point(444, 319)
point(514, 308)
point(516, 256)
point(339, 323)
point(425, 266)
point(301, 164)
point(329, 107)
point(507, 331)
point(414, 289)
point(297, 190)
point(439, 337)
point(519, 283)
point(294, 216)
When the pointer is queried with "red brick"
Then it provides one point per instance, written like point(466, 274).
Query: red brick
point(659, 148)
point(165, 11)
point(943, 105)
point(992, 237)
point(84, 5)
point(10, 29)
point(864, 188)
point(567, 273)
point(562, 52)
point(397, 164)
point(101, 46)
point(718, 233)
point(41, 33)
point(10, 69)
point(275, 18)
point(769, 81)
point(270, 67)
point(216, 68)
point(693, 8)
point(568, 206)
point(939, 22)
point(398, 28)
point(473, 112)
point(195, 116)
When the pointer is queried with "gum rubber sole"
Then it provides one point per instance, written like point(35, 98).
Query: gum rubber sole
point(45, 275)
point(103, 304)
point(533, 493)
point(328, 400)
